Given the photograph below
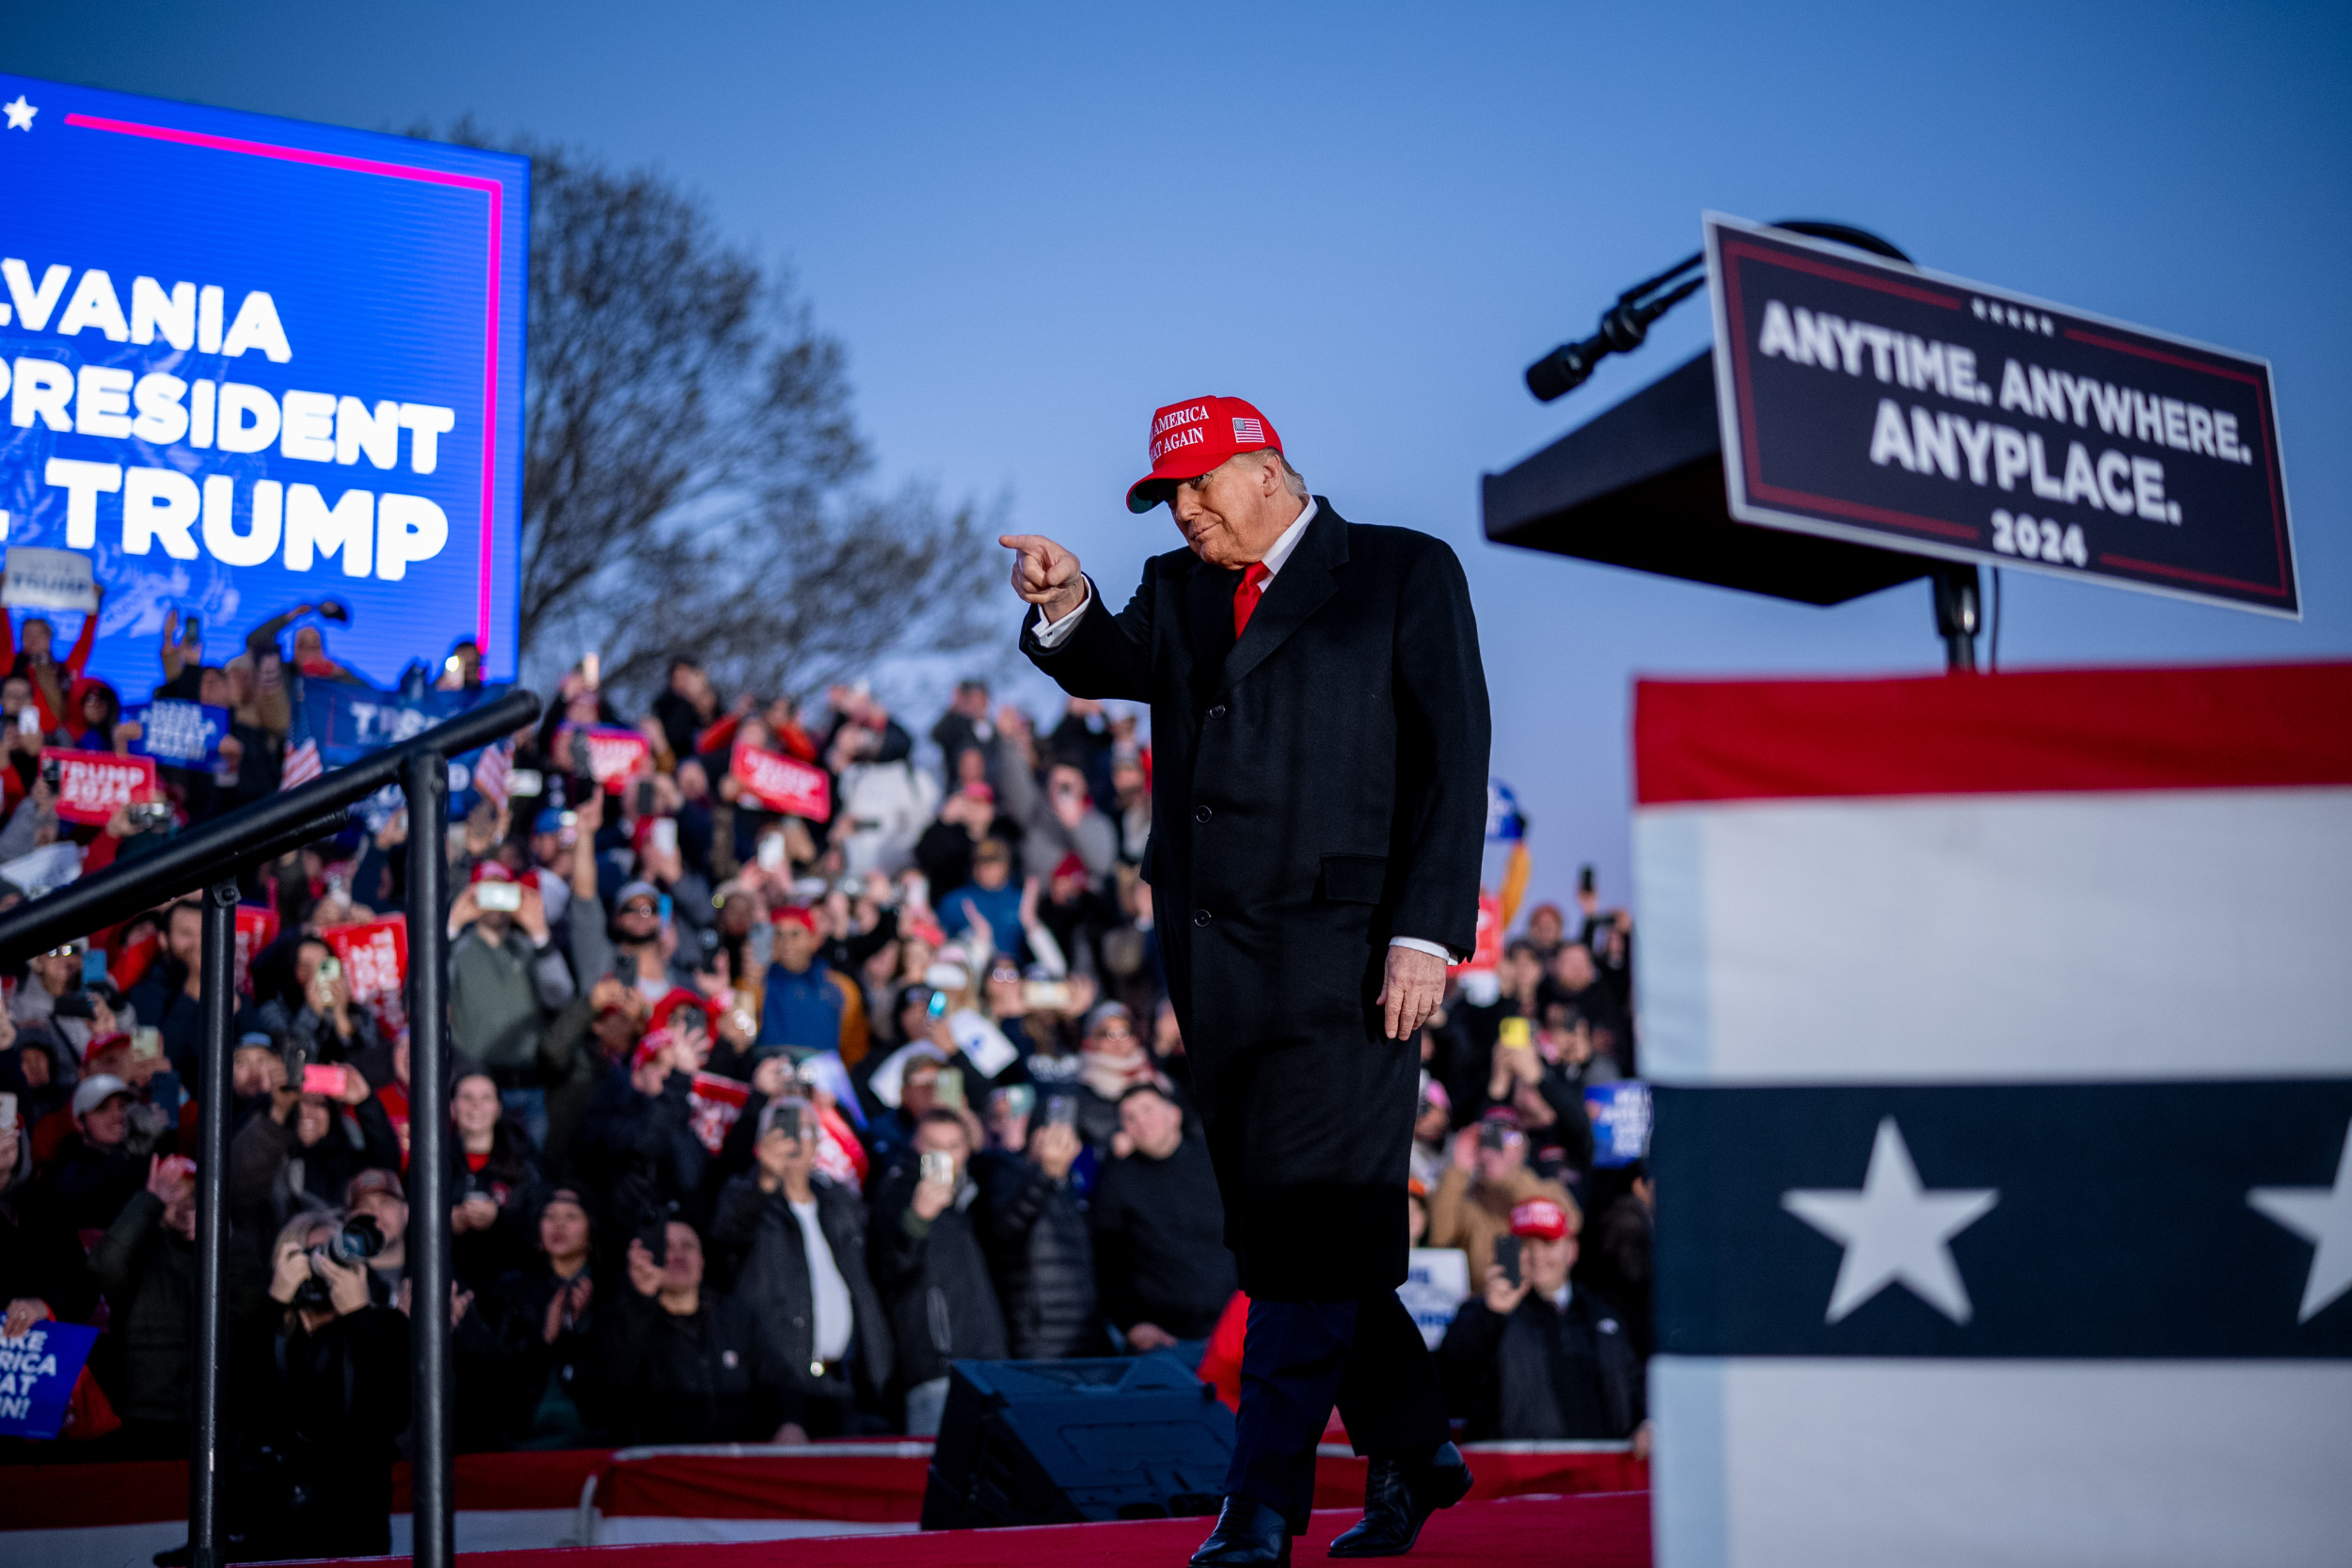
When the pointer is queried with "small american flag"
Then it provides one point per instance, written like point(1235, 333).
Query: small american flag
point(1248, 433)
point(302, 750)
point(489, 774)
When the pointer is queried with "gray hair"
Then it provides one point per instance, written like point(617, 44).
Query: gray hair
point(1293, 480)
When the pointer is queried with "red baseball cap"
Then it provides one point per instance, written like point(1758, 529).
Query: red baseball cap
point(1191, 437)
point(1539, 1217)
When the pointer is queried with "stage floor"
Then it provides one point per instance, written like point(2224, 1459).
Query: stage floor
point(1605, 1530)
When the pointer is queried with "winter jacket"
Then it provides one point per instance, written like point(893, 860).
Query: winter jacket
point(502, 996)
point(1542, 1374)
point(86, 1186)
point(934, 1280)
point(517, 1389)
point(1159, 1241)
point(703, 1377)
point(758, 1235)
point(316, 1415)
point(149, 1274)
point(641, 1155)
point(1044, 1258)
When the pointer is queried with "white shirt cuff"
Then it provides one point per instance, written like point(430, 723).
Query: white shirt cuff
point(1433, 949)
point(1052, 634)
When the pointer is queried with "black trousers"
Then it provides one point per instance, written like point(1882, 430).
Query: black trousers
point(1301, 1357)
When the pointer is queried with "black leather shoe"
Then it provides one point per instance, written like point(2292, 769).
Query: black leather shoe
point(1247, 1532)
point(1399, 1497)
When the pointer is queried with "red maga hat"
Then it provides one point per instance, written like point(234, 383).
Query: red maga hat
point(1539, 1217)
point(1191, 437)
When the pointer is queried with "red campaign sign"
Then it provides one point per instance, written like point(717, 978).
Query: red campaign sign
point(614, 754)
point(92, 784)
point(375, 956)
point(1488, 955)
point(716, 1104)
point(257, 928)
point(781, 784)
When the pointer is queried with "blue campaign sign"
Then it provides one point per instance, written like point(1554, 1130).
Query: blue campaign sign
point(1620, 1114)
point(1865, 399)
point(251, 364)
point(179, 734)
point(38, 1369)
point(349, 721)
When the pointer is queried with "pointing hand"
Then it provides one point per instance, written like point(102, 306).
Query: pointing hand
point(1045, 574)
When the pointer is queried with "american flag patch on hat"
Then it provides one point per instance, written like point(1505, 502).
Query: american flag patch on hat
point(1248, 433)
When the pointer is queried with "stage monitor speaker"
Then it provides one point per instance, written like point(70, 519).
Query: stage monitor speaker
point(1064, 1442)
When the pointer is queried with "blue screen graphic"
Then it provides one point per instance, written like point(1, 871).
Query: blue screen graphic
point(253, 364)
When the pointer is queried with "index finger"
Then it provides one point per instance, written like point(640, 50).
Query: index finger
point(1028, 543)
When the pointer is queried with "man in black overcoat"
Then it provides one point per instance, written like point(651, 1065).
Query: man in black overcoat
point(1320, 732)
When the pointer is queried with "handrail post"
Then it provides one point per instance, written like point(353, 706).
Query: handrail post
point(207, 1533)
point(426, 778)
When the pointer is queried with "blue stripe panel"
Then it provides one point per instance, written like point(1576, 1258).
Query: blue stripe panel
point(2121, 1230)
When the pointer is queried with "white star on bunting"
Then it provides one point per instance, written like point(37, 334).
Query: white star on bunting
point(19, 113)
point(2322, 1216)
point(1895, 1231)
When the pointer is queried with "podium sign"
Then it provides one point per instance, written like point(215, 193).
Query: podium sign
point(1867, 401)
point(2000, 1219)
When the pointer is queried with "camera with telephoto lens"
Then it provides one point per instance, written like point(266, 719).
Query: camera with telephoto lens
point(359, 1240)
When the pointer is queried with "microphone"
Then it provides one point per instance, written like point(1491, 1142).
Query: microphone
point(1625, 324)
point(1623, 328)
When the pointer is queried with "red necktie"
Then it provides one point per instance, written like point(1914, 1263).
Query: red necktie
point(1246, 597)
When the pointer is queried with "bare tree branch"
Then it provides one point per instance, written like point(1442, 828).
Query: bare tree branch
point(691, 467)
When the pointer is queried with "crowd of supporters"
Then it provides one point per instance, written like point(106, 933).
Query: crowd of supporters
point(760, 1120)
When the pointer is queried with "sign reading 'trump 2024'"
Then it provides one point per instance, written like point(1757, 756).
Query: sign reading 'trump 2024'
point(1870, 400)
point(248, 363)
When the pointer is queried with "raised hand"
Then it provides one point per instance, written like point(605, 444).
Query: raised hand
point(1045, 574)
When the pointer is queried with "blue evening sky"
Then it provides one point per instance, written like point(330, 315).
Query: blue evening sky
point(1030, 225)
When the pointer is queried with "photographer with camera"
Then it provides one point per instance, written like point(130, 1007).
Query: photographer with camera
point(797, 1243)
point(323, 1378)
point(1534, 1358)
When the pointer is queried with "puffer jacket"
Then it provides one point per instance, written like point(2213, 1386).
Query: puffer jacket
point(1044, 1256)
point(934, 1281)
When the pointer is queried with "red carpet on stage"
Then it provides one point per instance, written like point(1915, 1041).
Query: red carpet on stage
point(1607, 1530)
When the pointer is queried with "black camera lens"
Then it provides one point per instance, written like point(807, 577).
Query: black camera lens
point(360, 1238)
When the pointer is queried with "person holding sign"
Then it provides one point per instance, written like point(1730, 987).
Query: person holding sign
point(28, 655)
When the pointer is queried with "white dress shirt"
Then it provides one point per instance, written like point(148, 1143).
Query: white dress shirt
point(1054, 634)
